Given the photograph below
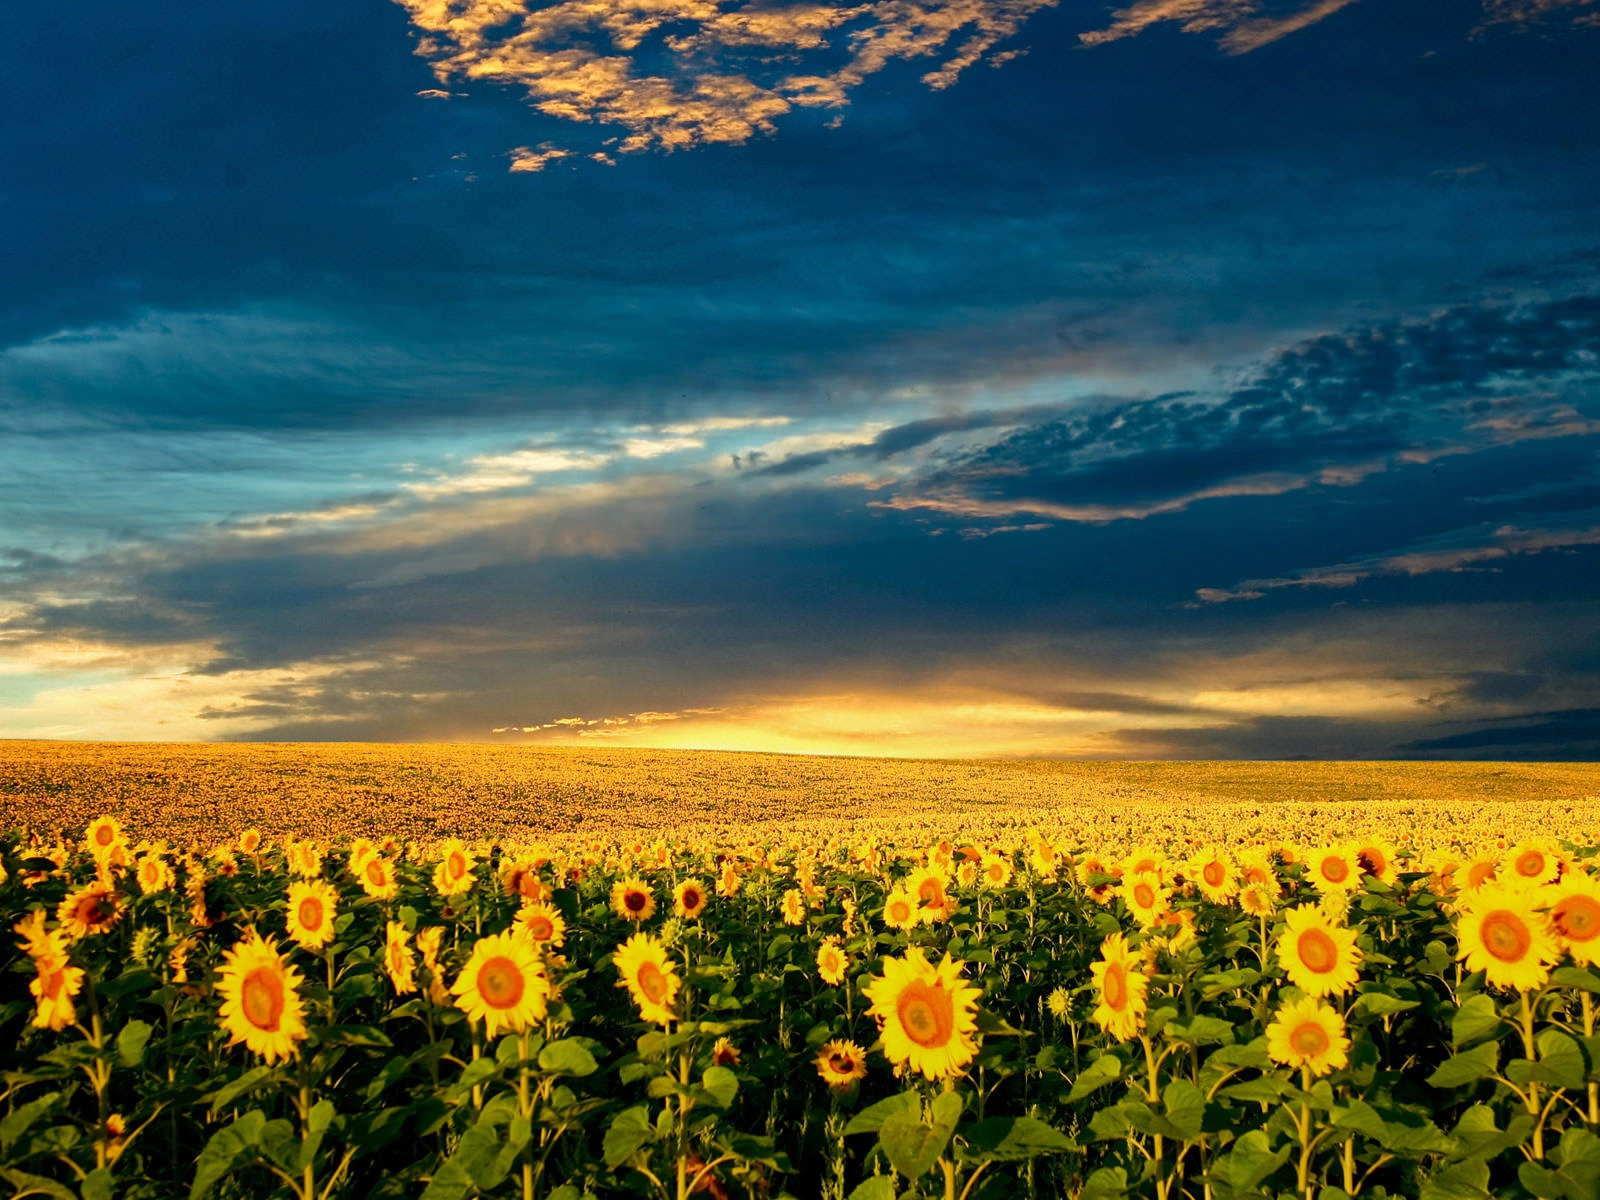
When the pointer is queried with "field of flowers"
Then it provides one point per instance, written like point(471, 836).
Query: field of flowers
point(1121, 1011)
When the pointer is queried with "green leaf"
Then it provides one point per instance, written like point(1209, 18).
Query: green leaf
point(1006, 1139)
point(1103, 1070)
point(17, 1123)
point(911, 1144)
point(131, 1042)
point(1562, 1056)
point(1108, 1183)
point(317, 1122)
point(38, 1185)
point(630, 1129)
point(1378, 1004)
point(1458, 1181)
point(97, 1185)
point(474, 1154)
point(568, 1057)
point(1185, 1107)
point(1476, 1019)
point(722, 1083)
point(879, 1187)
point(1202, 1031)
point(223, 1151)
point(231, 1091)
point(1467, 1067)
point(1252, 1159)
point(1582, 978)
point(871, 1118)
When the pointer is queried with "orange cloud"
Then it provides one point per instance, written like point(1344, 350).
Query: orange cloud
point(1241, 23)
point(732, 68)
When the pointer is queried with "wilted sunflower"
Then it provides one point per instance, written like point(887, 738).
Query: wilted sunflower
point(649, 976)
point(541, 924)
point(312, 907)
point(89, 910)
point(503, 984)
point(832, 962)
point(927, 1014)
point(399, 960)
point(632, 900)
point(724, 1053)
point(1310, 1034)
point(689, 899)
point(840, 1063)
point(1320, 957)
point(1574, 906)
point(1502, 934)
point(1122, 985)
point(261, 998)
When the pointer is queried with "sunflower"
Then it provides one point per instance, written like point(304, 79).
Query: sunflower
point(689, 899)
point(1335, 866)
point(935, 904)
point(967, 874)
point(376, 875)
point(399, 961)
point(1145, 897)
point(1213, 873)
point(261, 998)
point(1059, 1003)
point(1376, 859)
point(840, 1063)
point(91, 909)
point(53, 986)
point(1532, 863)
point(728, 882)
point(38, 942)
point(1143, 860)
point(503, 984)
point(794, 907)
point(1574, 906)
point(1502, 935)
point(649, 976)
point(104, 839)
point(453, 875)
point(1309, 1034)
point(1042, 855)
point(428, 946)
point(997, 870)
point(724, 1053)
point(899, 910)
point(1319, 957)
point(1122, 988)
point(311, 911)
point(541, 924)
point(153, 874)
point(632, 901)
point(305, 858)
point(927, 1015)
point(1098, 877)
point(249, 841)
point(1481, 869)
point(832, 962)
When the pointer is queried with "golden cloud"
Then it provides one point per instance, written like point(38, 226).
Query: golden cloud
point(1242, 25)
point(718, 72)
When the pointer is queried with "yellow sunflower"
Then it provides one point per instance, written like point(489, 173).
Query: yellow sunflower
point(1502, 934)
point(1481, 869)
point(1320, 957)
point(249, 841)
point(376, 876)
point(453, 875)
point(104, 838)
point(1213, 873)
point(840, 1063)
point(927, 1015)
point(399, 961)
point(1122, 986)
point(1145, 897)
point(89, 910)
point(794, 907)
point(542, 925)
point(632, 900)
point(1145, 860)
point(503, 984)
point(900, 910)
point(261, 998)
point(1310, 1034)
point(724, 1053)
point(832, 962)
point(689, 899)
point(428, 941)
point(54, 985)
point(1376, 859)
point(305, 858)
point(1532, 863)
point(997, 870)
point(1333, 867)
point(1573, 902)
point(312, 907)
point(37, 941)
point(649, 976)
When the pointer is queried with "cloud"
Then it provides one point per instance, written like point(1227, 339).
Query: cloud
point(526, 158)
point(1529, 12)
point(1243, 25)
point(729, 72)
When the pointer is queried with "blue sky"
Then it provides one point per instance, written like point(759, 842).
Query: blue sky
point(1181, 378)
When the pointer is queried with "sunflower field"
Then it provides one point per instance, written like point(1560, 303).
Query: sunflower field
point(840, 1017)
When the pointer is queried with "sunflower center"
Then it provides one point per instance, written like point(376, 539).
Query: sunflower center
point(1530, 864)
point(1310, 1039)
point(930, 891)
point(691, 899)
point(1372, 863)
point(927, 1014)
point(1506, 936)
point(1144, 895)
point(375, 872)
point(540, 929)
point(458, 864)
point(500, 983)
point(1115, 987)
point(841, 1064)
point(1335, 870)
point(652, 982)
point(1577, 917)
point(633, 901)
point(104, 836)
point(311, 913)
point(1214, 873)
point(261, 998)
point(1317, 951)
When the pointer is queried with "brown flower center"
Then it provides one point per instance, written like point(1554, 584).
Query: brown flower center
point(261, 998)
point(927, 1014)
point(500, 983)
point(1317, 951)
point(1507, 936)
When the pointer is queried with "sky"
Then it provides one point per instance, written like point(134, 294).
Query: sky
point(1155, 379)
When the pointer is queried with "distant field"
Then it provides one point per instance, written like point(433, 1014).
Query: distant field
point(204, 791)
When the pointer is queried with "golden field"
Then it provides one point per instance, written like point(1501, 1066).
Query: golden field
point(188, 791)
